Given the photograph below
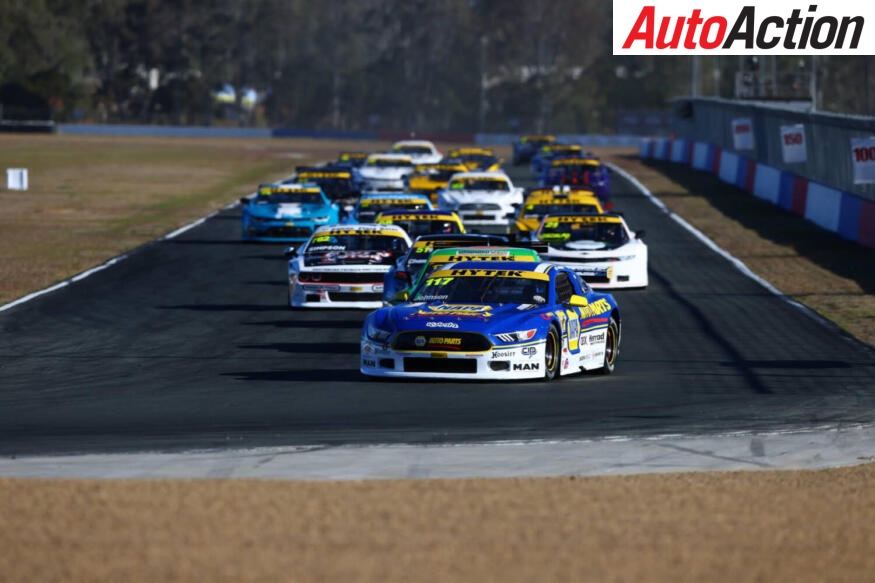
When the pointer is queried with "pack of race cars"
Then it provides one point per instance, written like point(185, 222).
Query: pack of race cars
point(468, 275)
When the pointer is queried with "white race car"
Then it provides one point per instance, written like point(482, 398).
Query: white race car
point(420, 151)
point(486, 201)
point(382, 171)
point(601, 248)
point(343, 266)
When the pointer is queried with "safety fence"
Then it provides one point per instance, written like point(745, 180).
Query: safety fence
point(850, 215)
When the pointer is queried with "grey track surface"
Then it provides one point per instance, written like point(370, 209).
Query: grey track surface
point(188, 344)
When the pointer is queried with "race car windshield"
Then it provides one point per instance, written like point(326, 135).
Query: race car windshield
point(609, 235)
point(482, 290)
point(539, 210)
point(381, 163)
point(415, 150)
point(289, 197)
point(368, 212)
point(332, 187)
point(436, 174)
point(481, 159)
point(417, 227)
point(353, 249)
point(479, 184)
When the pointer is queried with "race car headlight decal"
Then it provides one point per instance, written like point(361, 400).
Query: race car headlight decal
point(520, 336)
point(378, 334)
point(321, 219)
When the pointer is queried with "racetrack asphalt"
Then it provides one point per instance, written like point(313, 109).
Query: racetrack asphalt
point(188, 344)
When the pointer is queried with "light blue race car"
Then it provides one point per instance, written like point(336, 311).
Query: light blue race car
point(286, 213)
point(370, 206)
point(476, 320)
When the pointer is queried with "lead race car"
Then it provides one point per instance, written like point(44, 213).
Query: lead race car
point(474, 320)
point(600, 247)
point(343, 266)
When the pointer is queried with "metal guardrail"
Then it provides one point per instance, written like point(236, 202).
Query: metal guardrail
point(827, 137)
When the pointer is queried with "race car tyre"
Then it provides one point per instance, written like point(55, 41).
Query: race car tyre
point(552, 353)
point(612, 347)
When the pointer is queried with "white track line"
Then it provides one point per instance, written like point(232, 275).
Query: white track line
point(117, 259)
point(738, 263)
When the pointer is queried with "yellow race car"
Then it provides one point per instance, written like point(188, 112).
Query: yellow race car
point(418, 223)
point(429, 178)
point(475, 159)
point(543, 201)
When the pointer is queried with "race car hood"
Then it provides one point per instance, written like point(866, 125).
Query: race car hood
point(337, 260)
point(288, 211)
point(586, 249)
point(480, 195)
point(389, 173)
point(482, 318)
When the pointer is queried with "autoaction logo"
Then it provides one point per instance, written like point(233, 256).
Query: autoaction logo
point(738, 27)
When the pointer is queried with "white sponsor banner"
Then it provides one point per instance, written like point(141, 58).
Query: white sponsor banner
point(16, 178)
point(742, 133)
point(793, 144)
point(863, 159)
point(743, 27)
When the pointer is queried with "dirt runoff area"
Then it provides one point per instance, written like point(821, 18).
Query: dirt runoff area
point(831, 275)
point(743, 526)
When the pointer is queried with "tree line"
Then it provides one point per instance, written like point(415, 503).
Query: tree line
point(423, 65)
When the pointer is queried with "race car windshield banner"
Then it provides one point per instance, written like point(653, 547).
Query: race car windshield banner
point(743, 27)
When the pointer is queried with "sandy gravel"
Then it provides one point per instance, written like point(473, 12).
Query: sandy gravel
point(746, 526)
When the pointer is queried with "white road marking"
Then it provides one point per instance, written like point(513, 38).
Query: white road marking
point(118, 258)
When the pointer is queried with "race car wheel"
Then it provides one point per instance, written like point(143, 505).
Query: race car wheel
point(612, 347)
point(552, 353)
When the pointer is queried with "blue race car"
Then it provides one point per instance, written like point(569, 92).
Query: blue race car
point(370, 206)
point(472, 320)
point(287, 212)
point(587, 173)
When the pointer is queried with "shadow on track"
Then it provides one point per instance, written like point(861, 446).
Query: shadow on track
point(315, 324)
point(226, 308)
point(308, 348)
point(826, 249)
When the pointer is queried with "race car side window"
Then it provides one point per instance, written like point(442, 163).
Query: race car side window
point(564, 288)
point(584, 287)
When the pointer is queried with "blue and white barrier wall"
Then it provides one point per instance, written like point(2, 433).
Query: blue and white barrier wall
point(849, 215)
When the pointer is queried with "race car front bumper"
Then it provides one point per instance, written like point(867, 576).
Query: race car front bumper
point(336, 295)
point(511, 363)
point(631, 273)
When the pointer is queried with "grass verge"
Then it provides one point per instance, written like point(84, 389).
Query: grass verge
point(742, 526)
point(93, 197)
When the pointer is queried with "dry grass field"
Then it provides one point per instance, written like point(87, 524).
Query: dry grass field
point(746, 526)
point(94, 197)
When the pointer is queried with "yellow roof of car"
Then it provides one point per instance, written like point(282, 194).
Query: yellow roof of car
point(538, 138)
point(580, 196)
point(467, 151)
point(575, 161)
point(583, 219)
